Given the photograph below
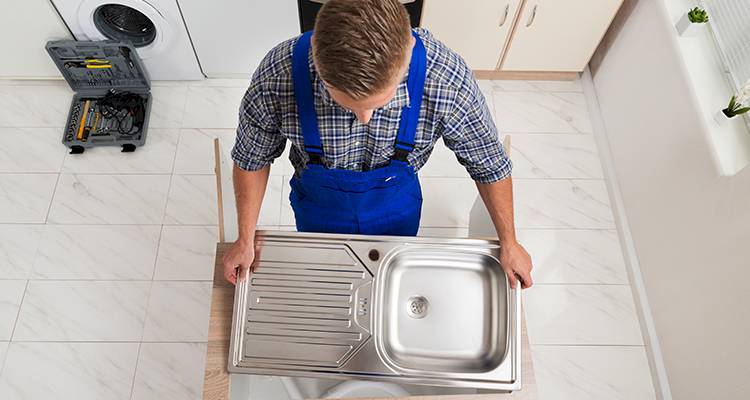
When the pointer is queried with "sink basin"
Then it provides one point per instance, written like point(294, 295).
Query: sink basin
point(405, 310)
point(441, 310)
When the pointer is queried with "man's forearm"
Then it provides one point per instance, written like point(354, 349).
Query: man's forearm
point(249, 188)
point(498, 198)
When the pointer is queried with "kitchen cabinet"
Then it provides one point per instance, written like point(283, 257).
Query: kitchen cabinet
point(231, 37)
point(558, 35)
point(27, 26)
point(477, 29)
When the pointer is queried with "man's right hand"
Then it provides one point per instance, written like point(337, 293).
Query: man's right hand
point(238, 260)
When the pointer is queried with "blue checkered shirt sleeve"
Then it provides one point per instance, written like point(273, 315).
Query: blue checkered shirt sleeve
point(471, 134)
point(259, 140)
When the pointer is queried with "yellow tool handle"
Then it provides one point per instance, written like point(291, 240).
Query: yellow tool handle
point(99, 66)
point(96, 60)
point(79, 136)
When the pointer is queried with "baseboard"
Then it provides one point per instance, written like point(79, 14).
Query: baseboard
point(526, 75)
point(637, 284)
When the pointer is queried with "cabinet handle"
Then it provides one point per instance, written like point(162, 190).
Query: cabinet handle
point(505, 16)
point(532, 16)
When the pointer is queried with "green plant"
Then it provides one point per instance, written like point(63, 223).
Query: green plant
point(735, 108)
point(698, 15)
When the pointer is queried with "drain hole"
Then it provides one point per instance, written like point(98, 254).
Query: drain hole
point(374, 255)
point(416, 306)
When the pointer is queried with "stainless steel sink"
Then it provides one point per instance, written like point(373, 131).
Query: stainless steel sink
point(402, 309)
point(441, 310)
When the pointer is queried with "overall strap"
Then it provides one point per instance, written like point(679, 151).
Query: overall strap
point(410, 115)
point(303, 94)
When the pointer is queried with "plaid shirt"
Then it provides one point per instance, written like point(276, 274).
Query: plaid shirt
point(453, 108)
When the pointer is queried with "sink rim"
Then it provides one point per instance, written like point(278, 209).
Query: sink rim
point(378, 317)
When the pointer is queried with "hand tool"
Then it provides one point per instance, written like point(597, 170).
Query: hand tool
point(86, 105)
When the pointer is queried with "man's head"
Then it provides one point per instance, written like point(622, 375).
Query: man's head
point(361, 50)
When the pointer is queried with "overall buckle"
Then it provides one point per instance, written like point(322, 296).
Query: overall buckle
point(400, 155)
point(315, 158)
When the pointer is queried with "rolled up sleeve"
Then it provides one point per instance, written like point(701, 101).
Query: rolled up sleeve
point(259, 140)
point(470, 133)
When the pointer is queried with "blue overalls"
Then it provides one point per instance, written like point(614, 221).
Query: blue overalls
point(381, 201)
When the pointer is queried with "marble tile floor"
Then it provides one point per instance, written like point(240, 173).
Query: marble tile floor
point(106, 257)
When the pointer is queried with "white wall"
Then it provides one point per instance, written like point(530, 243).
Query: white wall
point(25, 27)
point(690, 227)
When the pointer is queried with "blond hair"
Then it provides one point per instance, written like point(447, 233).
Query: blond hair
point(359, 46)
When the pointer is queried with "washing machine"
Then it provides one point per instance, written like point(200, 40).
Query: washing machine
point(155, 27)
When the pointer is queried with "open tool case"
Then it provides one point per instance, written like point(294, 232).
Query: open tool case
point(113, 100)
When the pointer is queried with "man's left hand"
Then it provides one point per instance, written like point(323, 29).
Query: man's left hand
point(516, 263)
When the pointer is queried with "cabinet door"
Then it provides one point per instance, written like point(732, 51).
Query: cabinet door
point(476, 29)
point(558, 35)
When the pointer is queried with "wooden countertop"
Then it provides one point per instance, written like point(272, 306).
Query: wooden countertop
point(216, 378)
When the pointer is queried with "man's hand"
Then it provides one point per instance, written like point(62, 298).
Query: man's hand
point(516, 263)
point(238, 260)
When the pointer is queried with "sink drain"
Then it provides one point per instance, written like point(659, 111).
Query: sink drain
point(416, 306)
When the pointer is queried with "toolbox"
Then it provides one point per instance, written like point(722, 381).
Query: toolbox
point(112, 102)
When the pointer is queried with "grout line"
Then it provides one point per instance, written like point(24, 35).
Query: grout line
point(156, 254)
point(18, 313)
point(4, 357)
point(135, 370)
point(52, 199)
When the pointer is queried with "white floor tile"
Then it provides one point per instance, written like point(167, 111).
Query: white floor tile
point(168, 106)
point(97, 252)
point(592, 373)
point(223, 82)
point(178, 312)
point(558, 86)
point(110, 199)
point(537, 112)
point(555, 156)
point(170, 371)
point(3, 351)
point(11, 293)
point(512, 85)
point(560, 203)
point(213, 107)
point(195, 153)
point(186, 253)
point(82, 311)
point(81, 371)
point(18, 247)
point(192, 200)
point(35, 106)
point(582, 314)
point(40, 150)
point(575, 256)
point(442, 207)
point(25, 198)
point(443, 164)
point(155, 157)
point(444, 232)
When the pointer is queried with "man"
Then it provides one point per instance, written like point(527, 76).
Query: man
point(363, 99)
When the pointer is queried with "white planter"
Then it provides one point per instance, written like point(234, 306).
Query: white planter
point(721, 118)
point(687, 28)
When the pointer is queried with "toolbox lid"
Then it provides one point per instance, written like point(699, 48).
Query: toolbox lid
point(106, 64)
